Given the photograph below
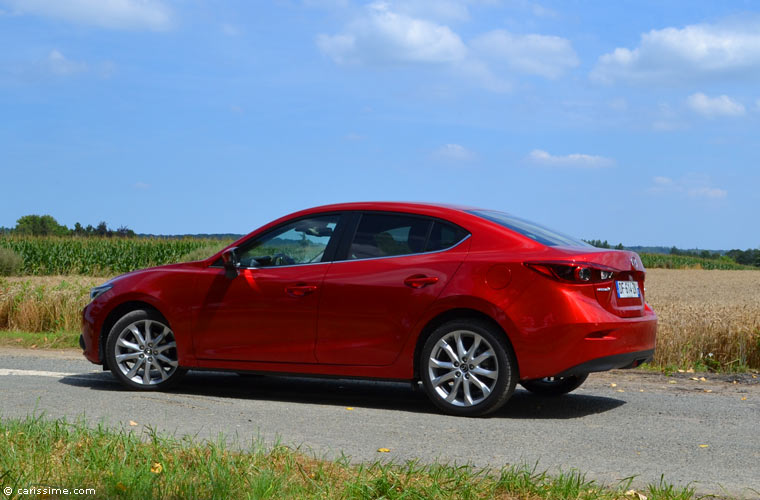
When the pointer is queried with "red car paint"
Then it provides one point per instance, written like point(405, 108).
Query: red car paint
point(368, 317)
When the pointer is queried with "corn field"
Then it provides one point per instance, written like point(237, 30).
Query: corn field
point(43, 256)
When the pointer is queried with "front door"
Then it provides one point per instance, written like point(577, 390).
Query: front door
point(269, 311)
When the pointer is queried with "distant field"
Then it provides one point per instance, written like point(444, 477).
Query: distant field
point(663, 261)
point(100, 256)
point(43, 256)
point(708, 319)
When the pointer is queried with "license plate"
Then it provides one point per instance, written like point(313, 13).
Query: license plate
point(627, 289)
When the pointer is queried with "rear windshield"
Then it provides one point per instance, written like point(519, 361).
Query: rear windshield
point(534, 231)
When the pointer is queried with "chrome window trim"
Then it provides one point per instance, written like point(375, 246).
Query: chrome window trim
point(279, 267)
point(289, 265)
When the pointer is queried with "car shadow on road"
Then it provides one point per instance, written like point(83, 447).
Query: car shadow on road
point(399, 396)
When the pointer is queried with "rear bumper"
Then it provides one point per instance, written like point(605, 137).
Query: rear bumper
point(569, 349)
point(614, 362)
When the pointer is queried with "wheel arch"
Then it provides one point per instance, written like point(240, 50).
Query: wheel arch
point(452, 314)
point(117, 313)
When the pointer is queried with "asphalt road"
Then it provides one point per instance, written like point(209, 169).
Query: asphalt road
point(645, 425)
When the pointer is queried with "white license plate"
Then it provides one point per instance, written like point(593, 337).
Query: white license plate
point(627, 289)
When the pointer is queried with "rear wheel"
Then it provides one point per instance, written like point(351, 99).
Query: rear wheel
point(142, 352)
point(467, 368)
point(554, 386)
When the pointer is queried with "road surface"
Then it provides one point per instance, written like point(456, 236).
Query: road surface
point(619, 424)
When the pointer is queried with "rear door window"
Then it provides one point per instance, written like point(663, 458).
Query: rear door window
point(386, 235)
point(444, 235)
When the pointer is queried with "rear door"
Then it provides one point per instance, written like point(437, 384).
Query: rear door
point(395, 265)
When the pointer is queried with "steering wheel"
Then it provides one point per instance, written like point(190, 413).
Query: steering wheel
point(281, 259)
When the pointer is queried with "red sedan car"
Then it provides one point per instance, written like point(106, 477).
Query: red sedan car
point(468, 301)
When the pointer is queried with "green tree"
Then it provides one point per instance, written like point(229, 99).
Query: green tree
point(125, 232)
point(40, 225)
point(102, 229)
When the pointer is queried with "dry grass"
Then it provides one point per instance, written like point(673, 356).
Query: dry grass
point(44, 304)
point(708, 319)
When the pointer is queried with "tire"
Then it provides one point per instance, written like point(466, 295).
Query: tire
point(456, 384)
point(140, 339)
point(554, 386)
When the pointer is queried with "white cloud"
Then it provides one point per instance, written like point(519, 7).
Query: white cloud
point(663, 181)
point(683, 54)
point(618, 104)
point(714, 106)
point(695, 186)
point(454, 153)
point(541, 157)
point(383, 36)
point(117, 14)
point(707, 192)
point(441, 10)
point(59, 65)
point(141, 186)
point(326, 4)
point(407, 33)
point(533, 54)
point(541, 11)
point(230, 29)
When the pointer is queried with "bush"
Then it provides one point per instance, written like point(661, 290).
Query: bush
point(10, 262)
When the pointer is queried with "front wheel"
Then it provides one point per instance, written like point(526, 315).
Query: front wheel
point(142, 352)
point(554, 386)
point(467, 368)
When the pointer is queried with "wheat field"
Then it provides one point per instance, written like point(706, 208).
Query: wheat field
point(707, 319)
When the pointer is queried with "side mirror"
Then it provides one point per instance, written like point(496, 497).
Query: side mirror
point(231, 262)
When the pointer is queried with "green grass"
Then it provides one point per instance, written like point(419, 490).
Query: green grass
point(61, 339)
point(123, 464)
point(655, 260)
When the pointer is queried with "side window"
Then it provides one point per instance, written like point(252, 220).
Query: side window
point(301, 242)
point(444, 235)
point(383, 235)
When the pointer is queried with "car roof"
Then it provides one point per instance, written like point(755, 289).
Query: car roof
point(392, 206)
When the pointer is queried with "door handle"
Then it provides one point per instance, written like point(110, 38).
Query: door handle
point(420, 281)
point(300, 290)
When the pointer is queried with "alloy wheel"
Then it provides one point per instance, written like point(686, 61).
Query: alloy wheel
point(463, 368)
point(146, 352)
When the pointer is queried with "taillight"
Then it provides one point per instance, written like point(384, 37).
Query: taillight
point(577, 272)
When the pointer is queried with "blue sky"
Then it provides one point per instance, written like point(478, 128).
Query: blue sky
point(635, 122)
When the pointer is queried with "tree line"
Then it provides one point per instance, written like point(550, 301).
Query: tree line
point(604, 244)
point(749, 257)
point(46, 225)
